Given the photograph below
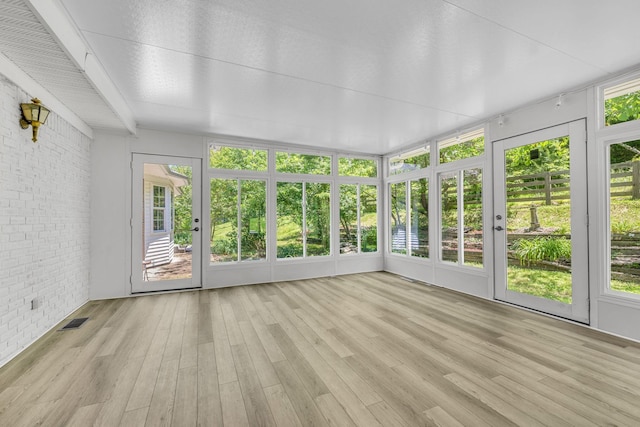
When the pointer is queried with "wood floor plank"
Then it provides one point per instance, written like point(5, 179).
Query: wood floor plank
point(234, 412)
point(371, 349)
point(209, 406)
point(514, 414)
point(224, 359)
point(205, 327)
point(134, 418)
point(309, 377)
point(265, 337)
point(233, 330)
point(189, 346)
point(258, 411)
point(312, 350)
point(442, 393)
point(262, 311)
point(283, 412)
point(441, 418)
point(549, 405)
point(333, 412)
point(85, 415)
point(304, 405)
point(185, 407)
point(113, 409)
point(164, 392)
point(263, 366)
point(386, 415)
point(146, 380)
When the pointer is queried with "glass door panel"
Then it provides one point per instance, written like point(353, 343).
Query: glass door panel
point(624, 217)
point(166, 225)
point(540, 224)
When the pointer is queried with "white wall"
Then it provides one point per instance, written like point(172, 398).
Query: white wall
point(111, 207)
point(111, 214)
point(44, 223)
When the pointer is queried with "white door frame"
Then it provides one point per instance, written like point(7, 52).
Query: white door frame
point(138, 282)
point(578, 310)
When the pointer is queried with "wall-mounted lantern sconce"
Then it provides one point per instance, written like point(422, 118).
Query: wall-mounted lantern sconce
point(34, 114)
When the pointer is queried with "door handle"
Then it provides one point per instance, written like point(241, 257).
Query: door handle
point(195, 229)
point(498, 228)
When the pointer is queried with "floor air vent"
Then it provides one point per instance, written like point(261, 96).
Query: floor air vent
point(75, 323)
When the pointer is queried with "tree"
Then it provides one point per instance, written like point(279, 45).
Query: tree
point(182, 202)
point(622, 108)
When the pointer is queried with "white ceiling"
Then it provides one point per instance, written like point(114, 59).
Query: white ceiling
point(356, 75)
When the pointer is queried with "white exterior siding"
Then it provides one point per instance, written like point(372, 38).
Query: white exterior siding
point(158, 245)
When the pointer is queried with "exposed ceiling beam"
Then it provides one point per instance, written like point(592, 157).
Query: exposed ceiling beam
point(52, 14)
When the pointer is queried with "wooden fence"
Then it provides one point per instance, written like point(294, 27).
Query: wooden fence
point(549, 186)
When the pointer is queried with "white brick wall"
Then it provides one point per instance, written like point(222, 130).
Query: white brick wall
point(44, 223)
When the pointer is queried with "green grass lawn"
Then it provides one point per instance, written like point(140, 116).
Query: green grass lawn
point(625, 216)
point(555, 285)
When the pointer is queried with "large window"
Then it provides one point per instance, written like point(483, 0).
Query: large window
point(159, 208)
point(409, 213)
point(461, 234)
point(238, 220)
point(303, 219)
point(420, 218)
point(416, 159)
point(472, 217)
point(303, 163)
point(622, 103)
point(398, 215)
point(449, 220)
point(349, 166)
point(235, 158)
point(240, 178)
point(624, 216)
point(358, 218)
point(470, 144)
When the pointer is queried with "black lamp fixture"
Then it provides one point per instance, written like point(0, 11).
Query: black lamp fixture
point(34, 114)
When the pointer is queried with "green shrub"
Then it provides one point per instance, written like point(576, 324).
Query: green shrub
point(542, 249)
point(291, 250)
point(621, 226)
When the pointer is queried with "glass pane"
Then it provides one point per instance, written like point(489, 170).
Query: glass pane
point(624, 216)
point(539, 219)
point(253, 237)
point(303, 163)
point(410, 161)
point(158, 197)
point(289, 220)
point(622, 103)
point(420, 218)
point(462, 147)
point(472, 216)
point(348, 166)
point(348, 219)
point(398, 216)
point(224, 220)
point(449, 220)
point(166, 252)
point(369, 218)
point(158, 219)
point(221, 157)
point(318, 212)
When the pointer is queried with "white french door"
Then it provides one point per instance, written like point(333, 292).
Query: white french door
point(540, 221)
point(166, 223)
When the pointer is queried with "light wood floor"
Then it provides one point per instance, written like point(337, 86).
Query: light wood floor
point(367, 350)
